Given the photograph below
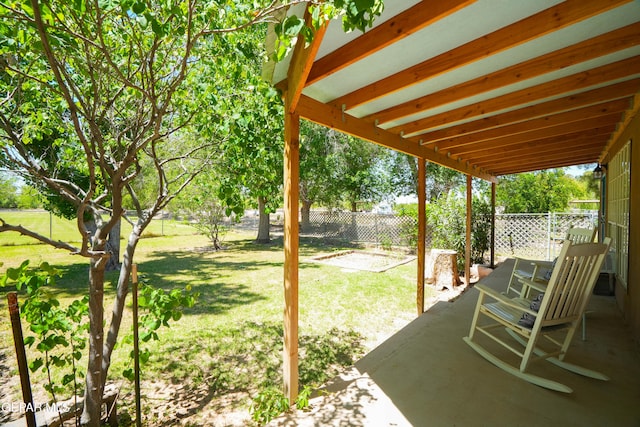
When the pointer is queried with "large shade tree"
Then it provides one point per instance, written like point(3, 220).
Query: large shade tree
point(537, 192)
point(319, 167)
point(93, 92)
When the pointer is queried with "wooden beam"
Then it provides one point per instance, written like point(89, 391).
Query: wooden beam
point(537, 134)
point(604, 44)
point(622, 127)
point(291, 228)
point(625, 89)
point(500, 151)
point(422, 232)
point(496, 155)
point(560, 163)
point(548, 158)
point(579, 81)
point(522, 156)
point(400, 26)
point(334, 118)
point(547, 164)
point(301, 63)
point(544, 22)
point(550, 121)
point(535, 149)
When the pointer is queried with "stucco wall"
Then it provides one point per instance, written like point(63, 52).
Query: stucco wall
point(629, 299)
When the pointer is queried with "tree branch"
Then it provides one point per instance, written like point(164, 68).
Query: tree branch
point(25, 232)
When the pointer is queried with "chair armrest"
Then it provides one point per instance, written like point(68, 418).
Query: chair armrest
point(503, 299)
point(538, 284)
point(542, 264)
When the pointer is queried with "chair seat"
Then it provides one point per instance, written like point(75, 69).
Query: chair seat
point(505, 312)
point(512, 315)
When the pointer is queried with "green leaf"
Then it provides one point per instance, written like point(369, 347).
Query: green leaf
point(157, 28)
point(68, 378)
point(144, 355)
point(138, 7)
point(35, 364)
point(292, 26)
point(128, 374)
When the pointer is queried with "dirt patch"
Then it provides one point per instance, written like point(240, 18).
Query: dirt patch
point(363, 260)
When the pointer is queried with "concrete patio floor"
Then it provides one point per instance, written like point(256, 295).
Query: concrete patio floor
point(425, 375)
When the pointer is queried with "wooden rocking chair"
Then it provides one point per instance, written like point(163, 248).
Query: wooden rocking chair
point(560, 311)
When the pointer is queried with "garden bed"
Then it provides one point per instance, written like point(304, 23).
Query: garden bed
point(376, 262)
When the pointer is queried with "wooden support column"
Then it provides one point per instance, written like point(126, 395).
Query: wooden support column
point(467, 254)
point(492, 261)
point(291, 226)
point(422, 232)
point(301, 62)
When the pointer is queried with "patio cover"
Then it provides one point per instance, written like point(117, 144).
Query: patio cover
point(485, 87)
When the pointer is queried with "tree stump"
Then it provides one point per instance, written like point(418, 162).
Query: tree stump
point(442, 269)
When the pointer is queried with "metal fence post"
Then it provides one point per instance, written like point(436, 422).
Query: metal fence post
point(548, 236)
point(27, 396)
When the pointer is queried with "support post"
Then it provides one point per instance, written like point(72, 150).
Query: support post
point(467, 254)
point(291, 227)
point(422, 232)
point(23, 369)
point(492, 261)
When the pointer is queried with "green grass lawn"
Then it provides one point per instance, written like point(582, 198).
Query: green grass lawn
point(229, 346)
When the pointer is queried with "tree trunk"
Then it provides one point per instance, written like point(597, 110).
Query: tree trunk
point(442, 269)
point(119, 301)
point(263, 224)
point(94, 379)
point(354, 207)
point(113, 248)
point(305, 224)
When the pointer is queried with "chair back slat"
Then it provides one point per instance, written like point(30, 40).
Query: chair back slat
point(572, 281)
point(581, 235)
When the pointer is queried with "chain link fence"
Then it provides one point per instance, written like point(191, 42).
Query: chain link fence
point(533, 236)
point(362, 227)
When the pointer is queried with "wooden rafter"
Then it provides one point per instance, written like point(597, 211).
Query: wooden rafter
point(534, 166)
point(575, 82)
point(635, 107)
point(538, 134)
point(550, 121)
point(499, 152)
point(546, 156)
point(615, 91)
point(595, 47)
point(402, 25)
point(559, 16)
point(526, 153)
